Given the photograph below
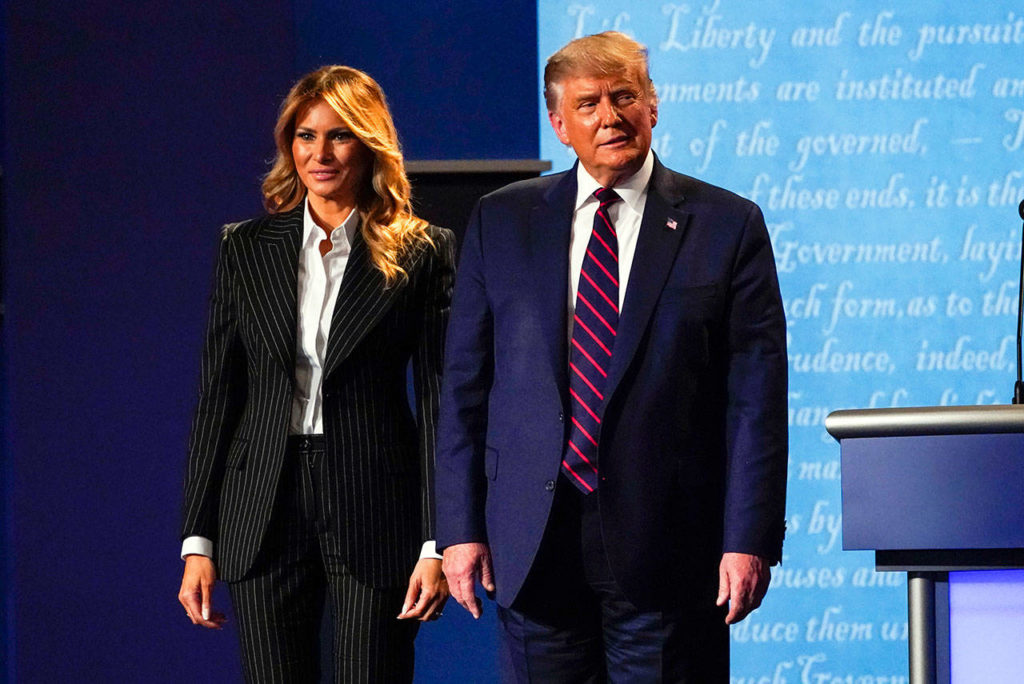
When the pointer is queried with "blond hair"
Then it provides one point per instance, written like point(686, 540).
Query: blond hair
point(603, 54)
point(389, 226)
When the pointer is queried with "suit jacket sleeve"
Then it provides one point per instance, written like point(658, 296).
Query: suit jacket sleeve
point(469, 364)
point(428, 361)
point(222, 392)
point(756, 423)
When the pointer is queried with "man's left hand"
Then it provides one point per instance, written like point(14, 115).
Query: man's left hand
point(742, 581)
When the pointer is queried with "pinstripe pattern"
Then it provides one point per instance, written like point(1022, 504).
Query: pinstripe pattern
point(279, 604)
point(379, 464)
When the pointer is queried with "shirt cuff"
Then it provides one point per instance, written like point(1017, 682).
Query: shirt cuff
point(201, 546)
point(429, 550)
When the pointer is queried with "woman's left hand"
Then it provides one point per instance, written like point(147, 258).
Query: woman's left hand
point(428, 591)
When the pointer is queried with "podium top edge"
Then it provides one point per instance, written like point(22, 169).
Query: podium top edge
point(427, 166)
point(925, 420)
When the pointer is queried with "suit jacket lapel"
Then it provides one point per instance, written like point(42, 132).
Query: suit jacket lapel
point(362, 300)
point(661, 233)
point(271, 271)
point(548, 247)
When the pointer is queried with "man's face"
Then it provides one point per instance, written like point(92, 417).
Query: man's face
point(608, 122)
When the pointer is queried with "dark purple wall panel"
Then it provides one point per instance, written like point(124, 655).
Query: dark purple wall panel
point(132, 131)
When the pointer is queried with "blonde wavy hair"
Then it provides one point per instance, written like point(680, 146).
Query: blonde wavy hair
point(389, 226)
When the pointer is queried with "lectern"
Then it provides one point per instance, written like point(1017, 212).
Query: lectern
point(932, 491)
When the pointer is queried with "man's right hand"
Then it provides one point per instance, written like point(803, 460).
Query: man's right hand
point(196, 592)
point(464, 565)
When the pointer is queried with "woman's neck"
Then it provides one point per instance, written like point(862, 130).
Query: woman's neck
point(328, 213)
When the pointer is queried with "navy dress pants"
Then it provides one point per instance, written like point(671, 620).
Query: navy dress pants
point(571, 624)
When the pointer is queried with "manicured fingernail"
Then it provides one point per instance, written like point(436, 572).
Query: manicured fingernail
point(206, 613)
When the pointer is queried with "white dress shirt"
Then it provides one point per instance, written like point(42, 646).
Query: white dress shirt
point(318, 285)
point(319, 280)
point(625, 216)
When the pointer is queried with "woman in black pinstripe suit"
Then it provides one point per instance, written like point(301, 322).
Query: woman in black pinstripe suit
point(309, 478)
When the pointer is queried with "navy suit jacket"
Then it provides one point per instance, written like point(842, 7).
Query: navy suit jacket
point(693, 446)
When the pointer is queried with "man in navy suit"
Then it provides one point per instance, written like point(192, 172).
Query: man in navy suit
point(613, 436)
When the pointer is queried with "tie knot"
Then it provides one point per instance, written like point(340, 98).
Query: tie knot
point(606, 196)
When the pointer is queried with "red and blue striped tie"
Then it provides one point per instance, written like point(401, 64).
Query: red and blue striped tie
point(593, 339)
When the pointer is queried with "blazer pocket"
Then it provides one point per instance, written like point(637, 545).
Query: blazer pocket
point(491, 463)
point(683, 320)
point(238, 452)
point(694, 294)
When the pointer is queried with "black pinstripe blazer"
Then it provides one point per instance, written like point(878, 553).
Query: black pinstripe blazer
point(379, 458)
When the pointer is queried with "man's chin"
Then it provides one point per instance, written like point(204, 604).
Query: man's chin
point(626, 164)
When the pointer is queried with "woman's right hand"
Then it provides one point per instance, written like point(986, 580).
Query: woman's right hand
point(196, 592)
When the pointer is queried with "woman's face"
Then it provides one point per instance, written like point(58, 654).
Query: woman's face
point(331, 161)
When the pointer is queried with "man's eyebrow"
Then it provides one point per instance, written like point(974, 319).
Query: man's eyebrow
point(586, 95)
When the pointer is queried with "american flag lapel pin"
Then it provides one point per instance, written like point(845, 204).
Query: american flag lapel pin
point(671, 224)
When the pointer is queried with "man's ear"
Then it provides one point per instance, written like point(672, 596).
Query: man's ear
point(654, 115)
point(558, 123)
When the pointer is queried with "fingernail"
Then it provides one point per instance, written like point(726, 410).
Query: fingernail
point(206, 613)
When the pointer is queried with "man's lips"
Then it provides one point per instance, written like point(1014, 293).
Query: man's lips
point(616, 141)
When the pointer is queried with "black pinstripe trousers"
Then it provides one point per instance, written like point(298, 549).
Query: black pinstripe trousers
point(279, 604)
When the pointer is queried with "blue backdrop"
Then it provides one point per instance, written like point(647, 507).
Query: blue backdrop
point(884, 143)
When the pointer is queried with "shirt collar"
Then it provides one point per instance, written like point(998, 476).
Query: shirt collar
point(633, 190)
point(311, 233)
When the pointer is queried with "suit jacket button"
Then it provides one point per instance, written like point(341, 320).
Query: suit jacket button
point(561, 417)
point(549, 485)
